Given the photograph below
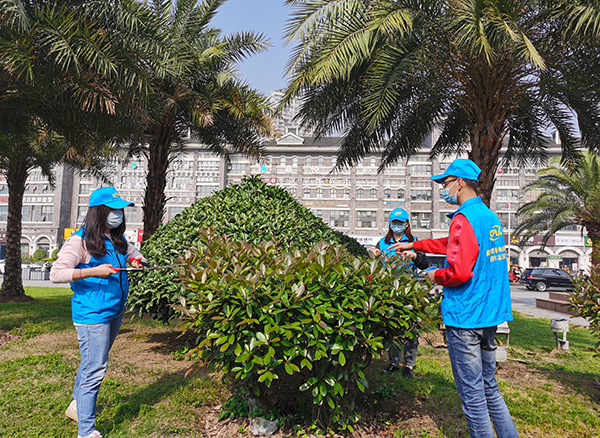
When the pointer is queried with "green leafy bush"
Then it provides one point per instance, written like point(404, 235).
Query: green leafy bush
point(586, 298)
point(54, 256)
point(250, 211)
point(319, 315)
point(39, 254)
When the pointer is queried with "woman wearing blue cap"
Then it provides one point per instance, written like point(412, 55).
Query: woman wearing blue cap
point(399, 231)
point(88, 260)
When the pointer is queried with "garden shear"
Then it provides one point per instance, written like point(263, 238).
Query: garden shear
point(145, 267)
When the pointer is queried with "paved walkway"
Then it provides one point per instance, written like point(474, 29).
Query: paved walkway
point(523, 301)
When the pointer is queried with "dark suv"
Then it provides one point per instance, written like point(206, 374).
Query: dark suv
point(544, 278)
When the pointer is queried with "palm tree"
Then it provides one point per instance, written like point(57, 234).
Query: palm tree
point(488, 73)
point(65, 92)
point(202, 97)
point(570, 195)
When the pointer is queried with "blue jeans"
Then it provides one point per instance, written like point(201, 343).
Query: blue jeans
point(411, 347)
point(473, 358)
point(95, 341)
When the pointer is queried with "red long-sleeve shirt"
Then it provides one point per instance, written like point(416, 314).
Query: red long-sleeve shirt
point(461, 249)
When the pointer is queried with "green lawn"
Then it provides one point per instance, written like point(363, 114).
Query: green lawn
point(145, 393)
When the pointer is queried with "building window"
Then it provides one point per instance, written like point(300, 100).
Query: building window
point(373, 193)
point(332, 192)
point(81, 213)
point(532, 195)
point(339, 218)
point(85, 189)
point(420, 169)
point(208, 166)
point(360, 193)
point(420, 195)
point(292, 190)
point(400, 193)
point(204, 191)
point(238, 168)
point(569, 228)
point(306, 193)
point(346, 194)
point(320, 162)
point(333, 161)
point(319, 192)
point(387, 193)
point(174, 211)
point(444, 221)
point(46, 188)
point(3, 213)
point(25, 213)
point(317, 213)
point(130, 215)
point(4, 189)
point(372, 162)
point(504, 220)
point(420, 220)
point(282, 161)
point(508, 182)
point(295, 161)
point(506, 195)
point(47, 213)
point(308, 162)
point(366, 219)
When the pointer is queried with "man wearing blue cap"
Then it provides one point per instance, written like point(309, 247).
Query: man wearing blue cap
point(476, 298)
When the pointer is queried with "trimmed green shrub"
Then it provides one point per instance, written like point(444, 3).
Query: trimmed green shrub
point(586, 298)
point(54, 255)
point(250, 211)
point(319, 315)
point(39, 254)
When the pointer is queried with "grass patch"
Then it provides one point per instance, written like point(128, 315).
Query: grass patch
point(145, 394)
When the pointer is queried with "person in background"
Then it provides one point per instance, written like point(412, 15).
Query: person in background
point(399, 231)
point(89, 260)
point(476, 298)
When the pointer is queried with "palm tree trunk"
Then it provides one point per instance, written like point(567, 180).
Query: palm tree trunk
point(156, 180)
point(485, 150)
point(12, 287)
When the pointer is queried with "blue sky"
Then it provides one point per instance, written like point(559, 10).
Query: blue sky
point(264, 71)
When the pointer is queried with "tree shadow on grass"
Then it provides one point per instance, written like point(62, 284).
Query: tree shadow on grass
point(131, 406)
point(429, 398)
point(48, 313)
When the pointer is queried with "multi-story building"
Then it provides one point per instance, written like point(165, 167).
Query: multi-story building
point(356, 201)
point(284, 121)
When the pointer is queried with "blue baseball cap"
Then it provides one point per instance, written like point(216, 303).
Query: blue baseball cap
point(460, 168)
point(398, 215)
point(108, 196)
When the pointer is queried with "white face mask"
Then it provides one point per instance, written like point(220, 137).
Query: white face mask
point(114, 219)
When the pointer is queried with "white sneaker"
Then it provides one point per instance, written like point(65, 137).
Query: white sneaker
point(94, 434)
point(71, 411)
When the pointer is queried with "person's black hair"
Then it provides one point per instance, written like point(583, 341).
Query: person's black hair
point(472, 184)
point(390, 234)
point(94, 229)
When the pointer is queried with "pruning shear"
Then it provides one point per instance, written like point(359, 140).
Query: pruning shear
point(145, 267)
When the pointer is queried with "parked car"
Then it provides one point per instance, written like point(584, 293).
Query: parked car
point(544, 278)
point(526, 273)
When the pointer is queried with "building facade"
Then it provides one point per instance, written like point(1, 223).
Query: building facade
point(356, 201)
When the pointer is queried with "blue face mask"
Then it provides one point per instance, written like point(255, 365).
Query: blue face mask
point(398, 228)
point(114, 219)
point(450, 199)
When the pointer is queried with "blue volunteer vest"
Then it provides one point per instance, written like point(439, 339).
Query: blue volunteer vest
point(98, 300)
point(483, 300)
point(385, 248)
